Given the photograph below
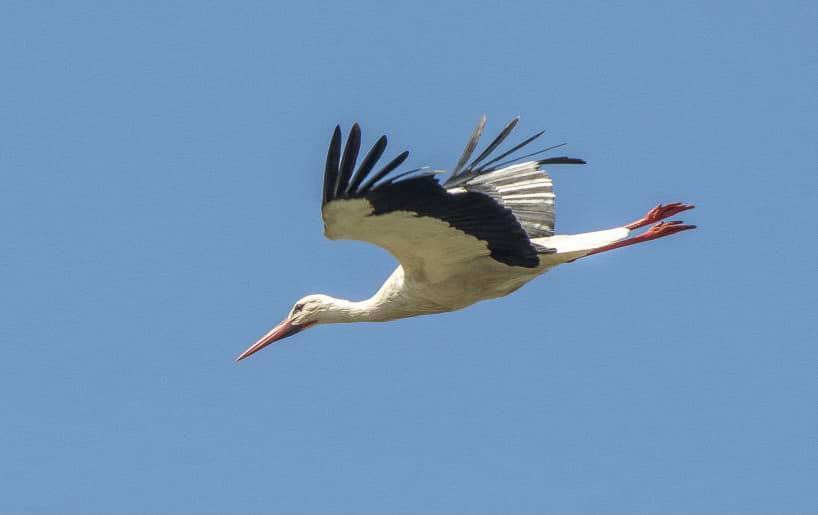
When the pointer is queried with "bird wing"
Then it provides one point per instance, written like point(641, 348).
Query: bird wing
point(429, 229)
point(524, 188)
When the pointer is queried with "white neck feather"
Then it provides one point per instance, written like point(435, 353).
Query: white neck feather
point(392, 301)
point(339, 311)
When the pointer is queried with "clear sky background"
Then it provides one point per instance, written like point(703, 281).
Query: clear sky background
point(160, 171)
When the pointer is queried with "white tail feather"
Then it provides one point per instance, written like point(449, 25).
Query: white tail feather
point(584, 242)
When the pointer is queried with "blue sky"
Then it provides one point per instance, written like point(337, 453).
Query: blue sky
point(160, 171)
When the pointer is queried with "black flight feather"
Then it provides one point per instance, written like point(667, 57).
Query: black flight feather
point(494, 144)
point(562, 160)
point(331, 170)
point(424, 171)
point(509, 152)
point(383, 172)
point(351, 150)
point(527, 155)
point(470, 146)
point(367, 164)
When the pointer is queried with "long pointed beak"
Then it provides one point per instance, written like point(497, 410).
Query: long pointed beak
point(279, 332)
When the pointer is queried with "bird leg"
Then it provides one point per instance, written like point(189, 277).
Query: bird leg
point(658, 213)
point(659, 230)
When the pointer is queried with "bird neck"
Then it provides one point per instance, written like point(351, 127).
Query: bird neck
point(374, 309)
point(345, 311)
point(390, 302)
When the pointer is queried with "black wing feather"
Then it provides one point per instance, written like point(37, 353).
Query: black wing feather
point(470, 146)
point(494, 144)
point(562, 160)
point(513, 149)
point(331, 170)
point(383, 172)
point(367, 164)
point(351, 150)
point(417, 172)
point(463, 174)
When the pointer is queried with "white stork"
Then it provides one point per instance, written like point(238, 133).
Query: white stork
point(483, 233)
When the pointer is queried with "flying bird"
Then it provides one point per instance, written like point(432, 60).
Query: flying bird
point(484, 232)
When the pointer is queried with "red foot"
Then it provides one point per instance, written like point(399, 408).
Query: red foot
point(659, 230)
point(659, 212)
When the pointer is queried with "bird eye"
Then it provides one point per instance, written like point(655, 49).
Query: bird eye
point(297, 308)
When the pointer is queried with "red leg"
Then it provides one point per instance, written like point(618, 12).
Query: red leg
point(658, 213)
point(659, 230)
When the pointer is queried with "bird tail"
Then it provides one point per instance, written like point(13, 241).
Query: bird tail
point(572, 246)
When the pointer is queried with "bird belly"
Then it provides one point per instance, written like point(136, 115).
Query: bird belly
point(480, 279)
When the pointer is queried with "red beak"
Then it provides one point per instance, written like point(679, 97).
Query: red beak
point(279, 332)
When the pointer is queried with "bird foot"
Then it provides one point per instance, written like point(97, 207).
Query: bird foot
point(660, 230)
point(663, 229)
point(658, 213)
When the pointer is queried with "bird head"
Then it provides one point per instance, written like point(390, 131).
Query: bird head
point(311, 310)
